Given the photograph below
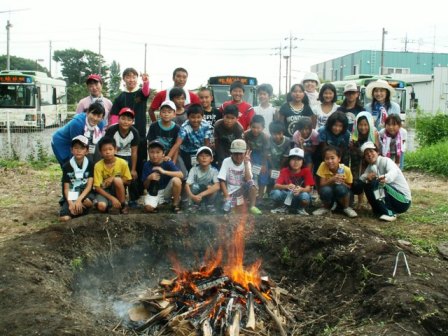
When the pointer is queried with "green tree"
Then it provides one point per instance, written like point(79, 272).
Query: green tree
point(114, 80)
point(19, 63)
point(77, 65)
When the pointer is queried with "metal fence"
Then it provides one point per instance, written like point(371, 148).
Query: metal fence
point(25, 143)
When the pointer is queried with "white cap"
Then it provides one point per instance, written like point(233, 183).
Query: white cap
point(168, 103)
point(204, 149)
point(296, 152)
point(350, 87)
point(238, 146)
point(81, 139)
point(311, 76)
point(367, 145)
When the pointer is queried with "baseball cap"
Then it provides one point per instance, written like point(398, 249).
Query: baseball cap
point(156, 143)
point(126, 110)
point(94, 77)
point(367, 145)
point(204, 149)
point(168, 103)
point(238, 146)
point(296, 152)
point(81, 139)
point(350, 87)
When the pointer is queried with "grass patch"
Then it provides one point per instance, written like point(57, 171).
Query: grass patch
point(424, 224)
point(430, 159)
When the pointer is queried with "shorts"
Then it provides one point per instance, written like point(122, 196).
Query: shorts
point(239, 196)
point(65, 211)
point(100, 198)
point(162, 196)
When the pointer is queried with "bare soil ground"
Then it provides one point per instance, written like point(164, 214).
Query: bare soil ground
point(70, 279)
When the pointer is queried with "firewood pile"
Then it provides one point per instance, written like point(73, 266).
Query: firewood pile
point(204, 303)
point(225, 299)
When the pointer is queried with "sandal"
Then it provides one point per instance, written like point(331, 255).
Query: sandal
point(176, 208)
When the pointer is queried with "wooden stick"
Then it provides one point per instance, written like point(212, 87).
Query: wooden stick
point(159, 316)
point(251, 319)
point(234, 328)
point(207, 328)
point(266, 306)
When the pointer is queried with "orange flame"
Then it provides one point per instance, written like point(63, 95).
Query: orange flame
point(234, 268)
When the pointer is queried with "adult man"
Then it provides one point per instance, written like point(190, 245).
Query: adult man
point(180, 76)
point(95, 86)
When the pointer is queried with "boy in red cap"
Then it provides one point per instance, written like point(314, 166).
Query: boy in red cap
point(127, 138)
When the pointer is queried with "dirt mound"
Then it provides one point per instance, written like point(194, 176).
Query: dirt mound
point(74, 279)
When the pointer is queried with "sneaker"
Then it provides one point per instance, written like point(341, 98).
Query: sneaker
point(321, 212)
point(124, 210)
point(133, 204)
point(227, 205)
point(334, 206)
point(211, 209)
point(302, 212)
point(255, 211)
point(280, 210)
point(350, 212)
point(193, 208)
point(388, 218)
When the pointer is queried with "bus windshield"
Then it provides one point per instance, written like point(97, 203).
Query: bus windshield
point(17, 96)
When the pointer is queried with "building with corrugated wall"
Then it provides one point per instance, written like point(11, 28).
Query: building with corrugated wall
point(369, 62)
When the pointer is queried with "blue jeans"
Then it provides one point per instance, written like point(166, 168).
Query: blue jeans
point(197, 188)
point(302, 200)
point(333, 193)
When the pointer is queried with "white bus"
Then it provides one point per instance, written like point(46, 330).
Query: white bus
point(31, 99)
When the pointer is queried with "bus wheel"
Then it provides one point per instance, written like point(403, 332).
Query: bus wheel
point(41, 122)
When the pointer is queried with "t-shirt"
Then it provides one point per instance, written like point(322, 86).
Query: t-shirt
point(161, 96)
point(148, 169)
point(279, 152)
point(233, 175)
point(212, 116)
point(303, 178)
point(308, 143)
point(78, 179)
point(179, 119)
point(84, 104)
point(167, 136)
point(137, 102)
point(292, 117)
point(201, 177)
point(321, 115)
point(102, 172)
point(125, 143)
point(192, 139)
point(224, 137)
point(268, 115)
point(259, 144)
point(325, 172)
point(246, 112)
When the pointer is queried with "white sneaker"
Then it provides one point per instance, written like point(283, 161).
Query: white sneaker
point(280, 210)
point(321, 212)
point(388, 218)
point(302, 212)
point(350, 212)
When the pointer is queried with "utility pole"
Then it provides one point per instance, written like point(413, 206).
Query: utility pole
point(291, 47)
point(286, 57)
point(49, 61)
point(99, 49)
point(8, 56)
point(279, 68)
point(382, 51)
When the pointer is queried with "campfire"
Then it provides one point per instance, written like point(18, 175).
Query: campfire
point(221, 298)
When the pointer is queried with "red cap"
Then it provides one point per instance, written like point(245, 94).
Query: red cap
point(126, 110)
point(94, 77)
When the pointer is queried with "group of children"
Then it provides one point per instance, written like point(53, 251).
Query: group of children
point(200, 158)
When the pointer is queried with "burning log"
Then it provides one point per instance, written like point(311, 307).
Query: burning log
point(207, 328)
point(163, 314)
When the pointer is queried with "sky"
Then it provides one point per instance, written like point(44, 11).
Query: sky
point(211, 38)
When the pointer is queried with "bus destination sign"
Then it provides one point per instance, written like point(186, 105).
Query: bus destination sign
point(15, 79)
